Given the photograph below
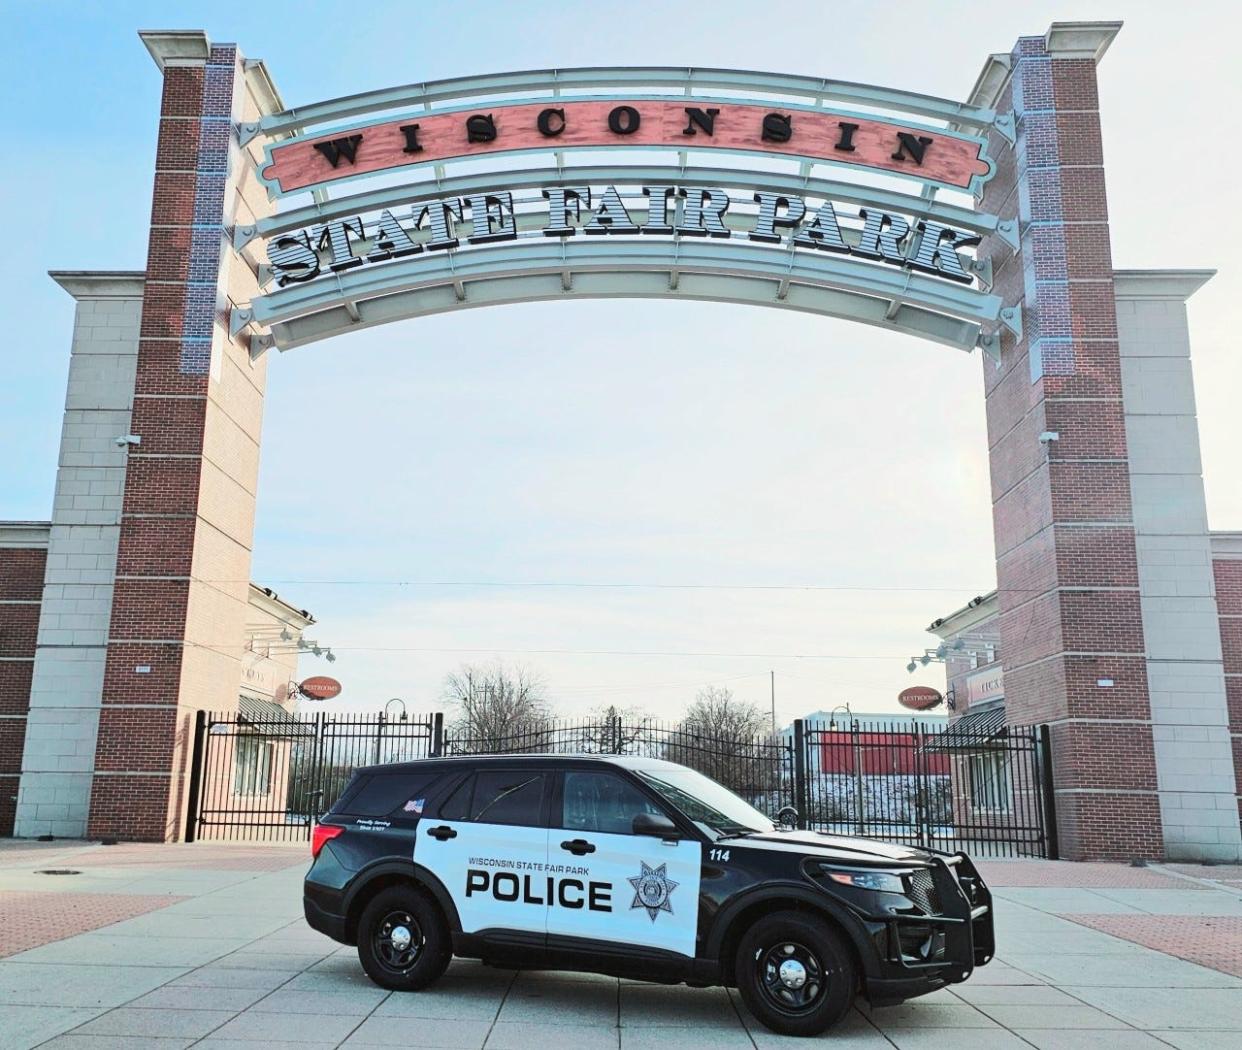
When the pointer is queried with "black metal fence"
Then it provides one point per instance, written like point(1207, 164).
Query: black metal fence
point(947, 788)
point(269, 778)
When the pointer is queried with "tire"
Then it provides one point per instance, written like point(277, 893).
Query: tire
point(804, 998)
point(403, 940)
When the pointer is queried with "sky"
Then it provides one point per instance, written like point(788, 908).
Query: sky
point(636, 499)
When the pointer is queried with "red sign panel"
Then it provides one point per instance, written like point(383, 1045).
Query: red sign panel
point(926, 153)
point(320, 688)
point(919, 698)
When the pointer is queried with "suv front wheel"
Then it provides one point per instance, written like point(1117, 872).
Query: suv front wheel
point(795, 973)
point(403, 940)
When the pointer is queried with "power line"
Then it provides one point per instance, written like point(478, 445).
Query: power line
point(607, 585)
point(225, 649)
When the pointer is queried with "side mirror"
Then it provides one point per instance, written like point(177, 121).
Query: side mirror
point(656, 824)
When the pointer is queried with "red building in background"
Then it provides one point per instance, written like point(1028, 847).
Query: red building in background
point(880, 751)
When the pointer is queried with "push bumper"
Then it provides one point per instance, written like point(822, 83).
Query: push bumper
point(954, 941)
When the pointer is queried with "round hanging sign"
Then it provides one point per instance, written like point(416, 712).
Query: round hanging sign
point(320, 688)
point(920, 698)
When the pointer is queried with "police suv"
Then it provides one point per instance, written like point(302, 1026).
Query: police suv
point(636, 868)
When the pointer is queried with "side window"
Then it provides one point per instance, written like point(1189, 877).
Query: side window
point(507, 796)
point(385, 794)
point(602, 802)
point(457, 805)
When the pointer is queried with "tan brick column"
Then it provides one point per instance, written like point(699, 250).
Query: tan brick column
point(179, 604)
point(1071, 627)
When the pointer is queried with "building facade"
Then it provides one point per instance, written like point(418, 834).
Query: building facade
point(1197, 768)
point(49, 762)
point(1106, 606)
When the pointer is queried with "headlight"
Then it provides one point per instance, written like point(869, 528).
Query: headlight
point(883, 881)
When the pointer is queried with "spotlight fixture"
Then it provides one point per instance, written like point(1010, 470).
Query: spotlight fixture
point(911, 666)
point(285, 636)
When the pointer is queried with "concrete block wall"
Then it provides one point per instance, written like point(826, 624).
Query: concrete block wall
point(58, 756)
point(1177, 589)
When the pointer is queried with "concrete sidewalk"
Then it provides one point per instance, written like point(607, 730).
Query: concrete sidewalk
point(217, 956)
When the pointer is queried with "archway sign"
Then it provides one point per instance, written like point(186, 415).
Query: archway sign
point(978, 223)
point(711, 184)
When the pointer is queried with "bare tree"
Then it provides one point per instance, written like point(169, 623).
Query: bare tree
point(718, 713)
point(612, 730)
point(730, 740)
point(499, 708)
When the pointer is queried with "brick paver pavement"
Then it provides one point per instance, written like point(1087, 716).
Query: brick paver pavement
point(32, 918)
point(1209, 940)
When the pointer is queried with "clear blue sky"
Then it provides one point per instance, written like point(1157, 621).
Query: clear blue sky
point(610, 442)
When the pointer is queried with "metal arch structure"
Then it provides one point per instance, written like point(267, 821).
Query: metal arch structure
point(537, 268)
point(542, 270)
point(684, 81)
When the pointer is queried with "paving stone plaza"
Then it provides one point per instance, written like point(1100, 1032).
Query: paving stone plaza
point(205, 946)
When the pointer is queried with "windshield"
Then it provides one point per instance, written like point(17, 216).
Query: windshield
point(715, 809)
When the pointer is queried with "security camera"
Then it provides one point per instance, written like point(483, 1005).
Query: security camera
point(128, 439)
point(1048, 436)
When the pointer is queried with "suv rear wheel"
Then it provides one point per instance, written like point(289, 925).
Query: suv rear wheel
point(795, 973)
point(403, 940)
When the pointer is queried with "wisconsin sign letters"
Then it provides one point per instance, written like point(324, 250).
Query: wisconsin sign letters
point(697, 211)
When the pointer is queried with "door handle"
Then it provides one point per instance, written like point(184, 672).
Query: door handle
point(442, 832)
point(578, 847)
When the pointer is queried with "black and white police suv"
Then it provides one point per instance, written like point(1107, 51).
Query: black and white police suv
point(636, 868)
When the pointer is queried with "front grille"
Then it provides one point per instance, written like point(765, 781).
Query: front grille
point(923, 891)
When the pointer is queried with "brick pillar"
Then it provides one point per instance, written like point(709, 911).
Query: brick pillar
point(1071, 626)
point(183, 563)
point(23, 559)
point(1227, 568)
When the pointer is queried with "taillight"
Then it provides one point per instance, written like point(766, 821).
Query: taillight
point(323, 833)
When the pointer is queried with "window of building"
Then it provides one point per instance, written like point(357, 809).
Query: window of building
point(252, 766)
point(989, 781)
point(602, 802)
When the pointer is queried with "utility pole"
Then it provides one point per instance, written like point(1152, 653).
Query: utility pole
point(772, 677)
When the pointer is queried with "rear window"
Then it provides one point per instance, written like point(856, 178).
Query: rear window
point(388, 794)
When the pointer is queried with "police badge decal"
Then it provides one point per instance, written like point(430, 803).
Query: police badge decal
point(652, 889)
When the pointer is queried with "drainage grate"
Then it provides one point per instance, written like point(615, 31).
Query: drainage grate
point(58, 871)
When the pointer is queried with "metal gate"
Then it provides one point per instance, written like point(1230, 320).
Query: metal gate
point(267, 778)
point(987, 790)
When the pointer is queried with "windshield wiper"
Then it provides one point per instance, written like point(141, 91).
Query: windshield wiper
point(740, 833)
